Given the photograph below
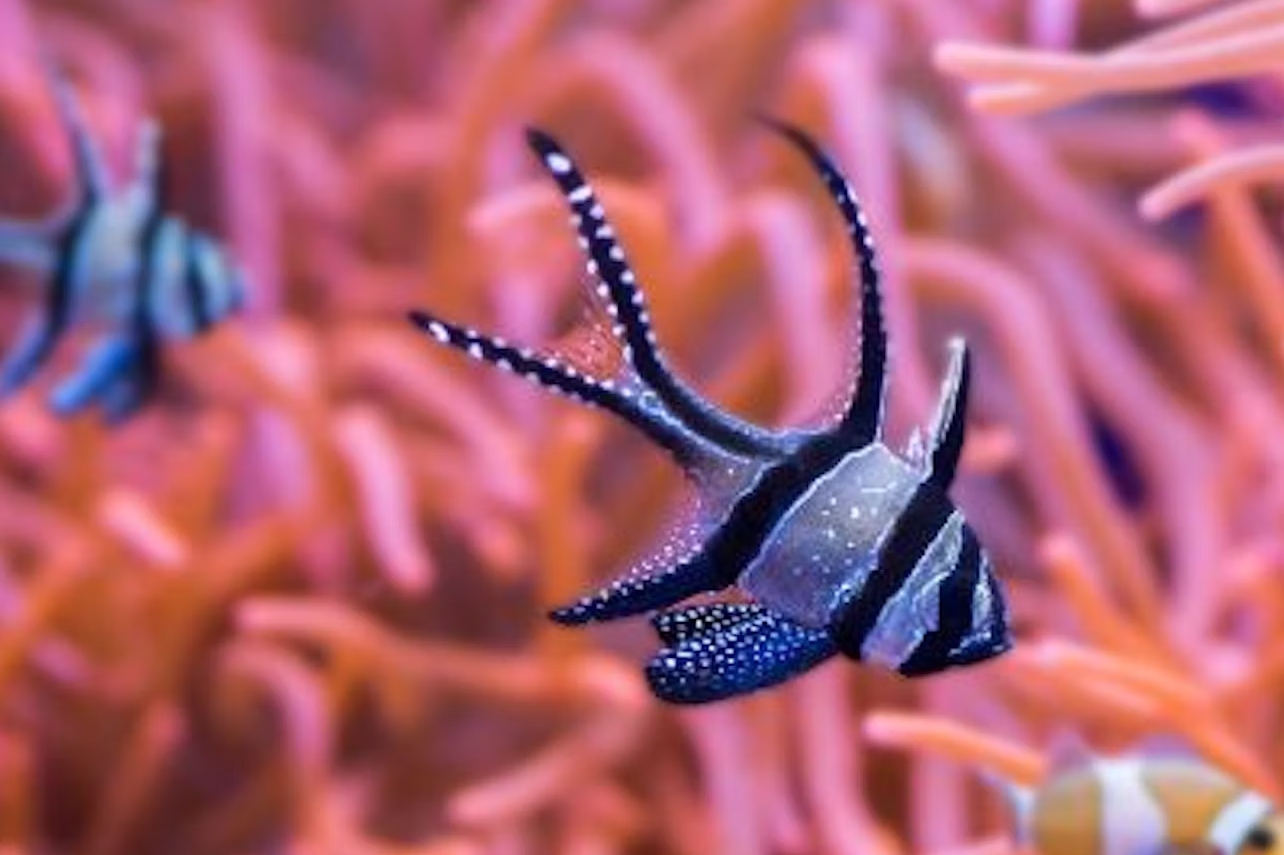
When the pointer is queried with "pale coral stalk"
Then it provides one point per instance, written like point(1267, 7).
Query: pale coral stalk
point(957, 741)
point(561, 541)
point(720, 736)
point(1256, 165)
point(539, 781)
point(830, 757)
point(1251, 245)
point(138, 525)
point(1065, 563)
point(142, 766)
point(1165, 8)
point(629, 82)
point(796, 280)
point(385, 500)
point(1046, 79)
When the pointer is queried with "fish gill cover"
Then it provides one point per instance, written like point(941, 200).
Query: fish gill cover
point(296, 604)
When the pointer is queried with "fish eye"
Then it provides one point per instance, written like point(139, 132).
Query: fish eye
point(1260, 838)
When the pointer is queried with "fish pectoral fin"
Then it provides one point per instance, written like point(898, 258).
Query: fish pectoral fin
point(760, 649)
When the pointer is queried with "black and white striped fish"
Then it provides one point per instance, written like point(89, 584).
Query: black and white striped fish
point(117, 261)
point(844, 546)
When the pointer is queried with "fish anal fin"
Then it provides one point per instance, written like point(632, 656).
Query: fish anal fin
point(762, 651)
point(677, 625)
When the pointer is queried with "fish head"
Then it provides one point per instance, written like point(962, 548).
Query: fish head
point(952, 613)
point(971, 616)
point(1265, 837)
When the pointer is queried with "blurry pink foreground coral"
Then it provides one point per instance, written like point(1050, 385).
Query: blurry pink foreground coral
point(298, 606)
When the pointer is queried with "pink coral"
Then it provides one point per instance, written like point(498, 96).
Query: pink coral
point(298, 606)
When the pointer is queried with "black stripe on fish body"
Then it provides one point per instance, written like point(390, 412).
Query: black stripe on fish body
point(687, 449)
point(196, 284)
point(862, 423)
point(49, 324)
point(954, 613)
point(928, 511)
point(728, 551)
point(626, 305)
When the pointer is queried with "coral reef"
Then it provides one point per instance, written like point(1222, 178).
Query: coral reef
point(298, 604)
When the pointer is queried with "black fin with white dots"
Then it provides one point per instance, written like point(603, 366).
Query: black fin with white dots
point(677, 625)
point(949, 428)
point(760, 649)
point(862, 423)
point(646, 591)
point(630, 323)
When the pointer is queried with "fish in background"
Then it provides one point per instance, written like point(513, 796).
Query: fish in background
point(116, 261)
point(1142, 805)
point(844, 545)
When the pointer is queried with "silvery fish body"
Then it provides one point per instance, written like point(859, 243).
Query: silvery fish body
point(117, 262)
point(825, 553)
point(844, 546)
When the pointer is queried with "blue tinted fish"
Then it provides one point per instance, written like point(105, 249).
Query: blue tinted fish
point(118, 261)
point(844, 546)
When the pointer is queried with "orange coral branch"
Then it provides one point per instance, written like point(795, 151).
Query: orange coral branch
point(956, 741)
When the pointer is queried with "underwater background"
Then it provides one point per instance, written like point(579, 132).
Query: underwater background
point(298, 603)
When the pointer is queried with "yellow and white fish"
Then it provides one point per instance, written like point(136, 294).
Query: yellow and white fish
point(116, 260)
point(1144, 806)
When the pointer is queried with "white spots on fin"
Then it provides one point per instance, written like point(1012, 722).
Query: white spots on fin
point(439, 332)
point(580, 193)
point(559, 163)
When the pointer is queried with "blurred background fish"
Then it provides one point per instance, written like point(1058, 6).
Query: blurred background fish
point(116, 261)
point(1138, 804)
